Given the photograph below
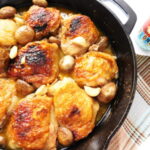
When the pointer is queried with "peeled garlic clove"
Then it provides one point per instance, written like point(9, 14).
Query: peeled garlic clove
point(93, 92)
point(41, 90)
point(13, 52)
point(80, 41)
point(23, 60)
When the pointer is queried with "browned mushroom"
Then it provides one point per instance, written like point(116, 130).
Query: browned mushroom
point(7, 12)
point(108, 92)
point(65, 136)
point(42, 3)
point(101, 45)
point(24, 34)
point(23, 88)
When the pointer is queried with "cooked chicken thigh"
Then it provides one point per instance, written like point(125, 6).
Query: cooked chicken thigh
point(42, 20)
point(94, 69)
point(30, 126)
point(73, 108)
point(78, 32)
point(37, 63)
point(7, 98)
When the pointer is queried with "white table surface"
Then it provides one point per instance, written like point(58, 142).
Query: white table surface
point(142, 10)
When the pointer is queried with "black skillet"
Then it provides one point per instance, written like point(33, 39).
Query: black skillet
point(122, 45)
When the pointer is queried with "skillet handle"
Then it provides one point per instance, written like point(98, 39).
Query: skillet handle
point(128, 26)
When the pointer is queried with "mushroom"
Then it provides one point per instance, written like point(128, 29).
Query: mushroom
point(65, 136)
point(42, 3)
point(108, 92)
point(7, 12)
point(66, 63)
point(101, 45)
point(23, 88)
point(24, 34)
point(101, 81)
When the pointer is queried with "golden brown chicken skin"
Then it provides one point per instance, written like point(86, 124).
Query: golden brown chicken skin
point(78, 32)
point(42, 20)
point(36, 63)
point(73, 108)
point(94, 69)
point(29, 125)
point(7, 97)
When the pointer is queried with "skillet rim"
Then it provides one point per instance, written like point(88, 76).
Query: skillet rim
point(134, 81)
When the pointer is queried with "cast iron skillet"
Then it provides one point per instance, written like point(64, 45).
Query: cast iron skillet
point(119, 38)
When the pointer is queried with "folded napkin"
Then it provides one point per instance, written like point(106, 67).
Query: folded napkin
point(135, 130)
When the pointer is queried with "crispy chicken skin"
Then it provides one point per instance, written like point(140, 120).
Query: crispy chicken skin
point(29, 125)
point(41, 63)
point(42, 20)
point(93, 67)
point(77, 26)
point(7, 95)
point(73, 108)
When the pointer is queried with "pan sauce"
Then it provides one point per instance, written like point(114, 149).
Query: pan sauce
point(10, 141)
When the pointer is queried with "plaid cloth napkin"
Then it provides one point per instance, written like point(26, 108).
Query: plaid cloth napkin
point(136, 129)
